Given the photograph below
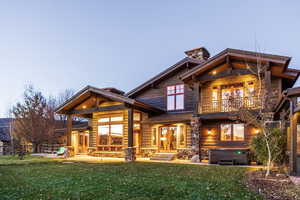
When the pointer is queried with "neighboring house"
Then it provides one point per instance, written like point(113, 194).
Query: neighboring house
point(5, 128)
point(188, 109)
point(288, 113)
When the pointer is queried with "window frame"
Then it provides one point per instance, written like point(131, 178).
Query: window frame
point(232, 132)
point(109, 123)
point(175, 94)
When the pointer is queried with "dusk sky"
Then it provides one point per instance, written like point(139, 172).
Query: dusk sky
point(56, 45)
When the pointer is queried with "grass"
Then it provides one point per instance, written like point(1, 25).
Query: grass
point(45, 179)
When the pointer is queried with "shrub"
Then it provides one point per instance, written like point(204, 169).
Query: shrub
point(278, 143)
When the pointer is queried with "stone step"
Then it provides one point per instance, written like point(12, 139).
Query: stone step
point(163, 156)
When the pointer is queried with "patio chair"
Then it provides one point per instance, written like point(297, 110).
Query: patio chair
point(61, 151)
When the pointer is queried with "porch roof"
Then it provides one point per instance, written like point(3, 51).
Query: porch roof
point(88, 91)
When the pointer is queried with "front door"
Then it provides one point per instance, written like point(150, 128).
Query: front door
point(83, 142)
point(167, 138)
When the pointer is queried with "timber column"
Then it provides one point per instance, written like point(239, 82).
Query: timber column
point(130, 151)
point(69, 135)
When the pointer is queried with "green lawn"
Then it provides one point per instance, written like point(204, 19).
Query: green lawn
point(44, 179)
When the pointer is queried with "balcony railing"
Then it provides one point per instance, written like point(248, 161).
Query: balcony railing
point(229, 105)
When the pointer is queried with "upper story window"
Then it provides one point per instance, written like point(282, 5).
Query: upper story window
point(175, 97)
point(298, 101)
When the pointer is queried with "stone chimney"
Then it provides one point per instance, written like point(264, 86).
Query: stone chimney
point(114, 90)
point(200, 53)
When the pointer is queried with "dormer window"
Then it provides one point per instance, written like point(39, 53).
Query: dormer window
point(175, 97)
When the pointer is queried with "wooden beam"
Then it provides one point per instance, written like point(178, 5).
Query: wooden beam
point(69, 130)
point(197, 98)
point(130, 127)
point(95, 109)
point(236, 72)
point(268, 90)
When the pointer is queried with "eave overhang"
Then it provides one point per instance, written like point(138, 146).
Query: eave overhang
point(162, 75)
point(88, 91)
point(245, 56)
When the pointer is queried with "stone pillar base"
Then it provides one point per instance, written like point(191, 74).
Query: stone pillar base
point(70, 151)
point(130, 154)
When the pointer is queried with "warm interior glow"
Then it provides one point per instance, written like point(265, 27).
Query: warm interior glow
point(209, 132)
point(256, 130)
point(214, 72)
point(84, 107)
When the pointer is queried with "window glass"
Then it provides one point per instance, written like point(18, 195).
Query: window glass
point(179, 102)
point(298, 100)
point(116, 118)
point(106, 119)
point(171, 89)
point(136, 126)
point(179, 89)
point(153, 137)
point(116, 129)
point(171, 102)
point(137, 116)
point(238, 132)
point(225, 132)
point(181, 136)
point(103, 129)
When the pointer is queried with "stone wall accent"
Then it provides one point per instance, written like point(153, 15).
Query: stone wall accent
point(195, 126)
point(130, 154)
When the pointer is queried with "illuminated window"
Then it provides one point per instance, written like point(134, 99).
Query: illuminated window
point(153, 137)
point(232, 132)
point(181, 136)
point(238, 132)
point(175, 97)
point(110, 130)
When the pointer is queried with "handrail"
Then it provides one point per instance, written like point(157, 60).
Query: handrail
point(230, 104)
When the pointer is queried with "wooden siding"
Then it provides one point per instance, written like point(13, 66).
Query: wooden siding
point(211, 141)
point(156, 96)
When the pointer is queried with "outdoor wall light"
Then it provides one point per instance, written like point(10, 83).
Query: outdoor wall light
point(256, 130)
point(84, 107)
point(214, 72)
point(209, 132)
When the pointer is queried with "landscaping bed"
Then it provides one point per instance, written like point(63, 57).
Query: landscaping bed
point(277, 186)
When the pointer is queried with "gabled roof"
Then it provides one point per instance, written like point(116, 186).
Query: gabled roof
point(163, 74)
point(245, 55)
point(89, 90)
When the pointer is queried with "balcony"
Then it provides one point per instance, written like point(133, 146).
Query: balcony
point(229, 105)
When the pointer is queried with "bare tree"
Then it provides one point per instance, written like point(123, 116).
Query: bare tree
point(258, 118)
point(33, 118)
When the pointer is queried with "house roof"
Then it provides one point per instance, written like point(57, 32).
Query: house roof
point(5, 129)
point(163, 74)
point(89, 90)
point(246, 56)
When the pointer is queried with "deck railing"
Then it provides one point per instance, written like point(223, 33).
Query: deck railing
point(229, 105)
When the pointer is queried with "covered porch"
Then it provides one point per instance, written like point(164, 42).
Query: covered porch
point(113, 119)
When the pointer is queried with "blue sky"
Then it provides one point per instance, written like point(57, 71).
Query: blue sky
point(56, 45)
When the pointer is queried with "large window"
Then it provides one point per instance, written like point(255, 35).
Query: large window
point(110, 131)
point(175, 97)
point(232, 132)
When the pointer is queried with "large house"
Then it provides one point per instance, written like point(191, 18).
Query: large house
point(190, 108)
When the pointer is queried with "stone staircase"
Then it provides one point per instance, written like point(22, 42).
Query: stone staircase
point(163, 156)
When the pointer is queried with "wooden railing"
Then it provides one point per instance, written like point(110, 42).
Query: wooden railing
point(229, 105)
